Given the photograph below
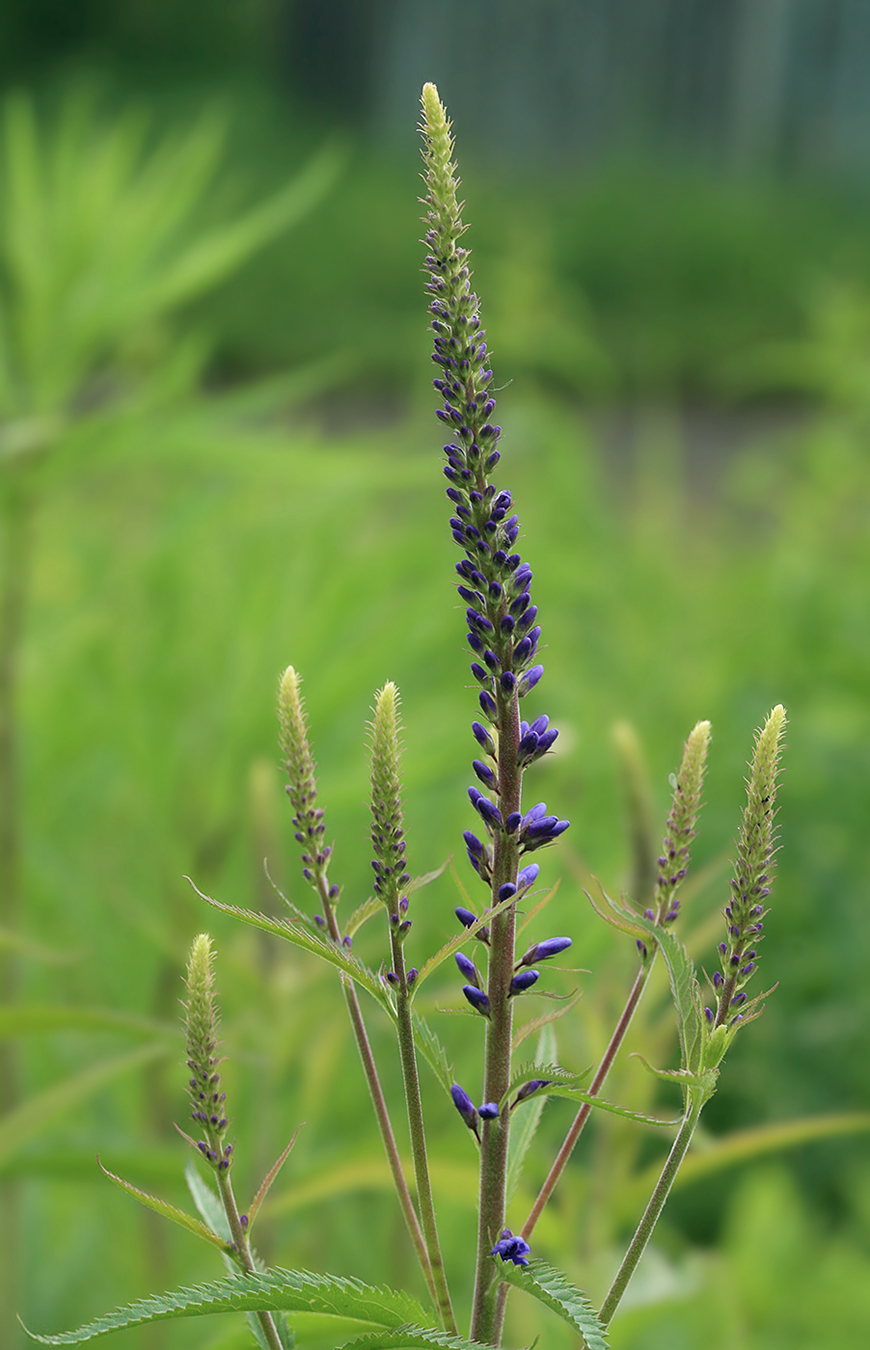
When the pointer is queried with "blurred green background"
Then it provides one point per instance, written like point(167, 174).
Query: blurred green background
point(218, 456)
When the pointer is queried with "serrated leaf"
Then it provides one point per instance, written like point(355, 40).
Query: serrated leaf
point(618, 918)
point(312, 942)
point(426, 878)
point(558, 1083)
point(432, 1051)
point(367, 910)
point(524, 1129)
point(274, 1291)
point(536, 1023)
point(168, 1211)
point(686, 994)
point(550, 1287)
point(536, 909)
point(270, 1176)
point(705, 1080)
point(408, 1338)
point(459, 941)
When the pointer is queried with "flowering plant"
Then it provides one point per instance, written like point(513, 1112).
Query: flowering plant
point(503, 635)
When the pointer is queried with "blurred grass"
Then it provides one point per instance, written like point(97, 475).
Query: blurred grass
point(192, 555)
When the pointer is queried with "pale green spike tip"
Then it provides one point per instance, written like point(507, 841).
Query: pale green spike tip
point(385, 739)
point(433, 109)
point(290, 712)
point(201, 1015)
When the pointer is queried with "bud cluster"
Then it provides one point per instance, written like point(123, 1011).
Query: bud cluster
point(207, 1100)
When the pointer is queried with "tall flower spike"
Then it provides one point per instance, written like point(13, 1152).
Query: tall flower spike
point(388, 838)
point(753, 869)
point(681, 824)
point(207, 1101)
point(302, 784)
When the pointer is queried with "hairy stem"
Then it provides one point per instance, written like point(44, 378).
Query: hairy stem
point(243, 1250)
point(379, 1102)
point(488, 1312)
point(595, 1087)
point(652, 1212)
point(418, 1137)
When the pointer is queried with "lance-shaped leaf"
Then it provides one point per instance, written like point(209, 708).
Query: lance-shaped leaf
point(312, 942)
point(367, 910)
point(536, 909)
point(620, 916)
point(524, 1128)
point(686, 994)
point(538, 1023)
point(195, 1226)
point(272, 1291)
point(268, 1179)
point(432, 1050)
point(550, 1287)
point(459, 941)
point(408, 1338)
point(556, 1082)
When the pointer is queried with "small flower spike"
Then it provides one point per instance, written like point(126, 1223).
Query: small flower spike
point(511, 1248)
point(387, 834)
point(302, 786)
point(753, 873)
point(682, 822)
point(208, 1108)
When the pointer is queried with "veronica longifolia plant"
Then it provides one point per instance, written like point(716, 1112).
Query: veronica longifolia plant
point(503, 635)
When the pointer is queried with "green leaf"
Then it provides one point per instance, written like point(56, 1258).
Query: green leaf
point(626, 921)
point(550, 1287)
point(367, 910)
point(41, 1110)
point(559, 1083)
point(312, 942)
point(705, 1081)
point(459, 941)
point(432, 1051)
point(38, 1018)
point(273, 1291)
point(524, 1129)
point(270, 1176)
point(408, 1338)
point(537, 1023)
point(686, 993)
point(426, 878)
point(168, 1211)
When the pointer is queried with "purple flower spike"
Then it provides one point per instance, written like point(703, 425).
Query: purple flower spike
point(467, 967)
point(477, 998)
point(465, 917)
point(464, 1105)
point(523, 981)
point(488, 1111)
point(543, 951)
point(511, 1248)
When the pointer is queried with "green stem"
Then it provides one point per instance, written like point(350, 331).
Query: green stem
point(15, 536)
point(595, 1087)
point(418, 1136)
point(652, 1212)
point(379, 1103)
point(243, 1252)
point(488, 1310)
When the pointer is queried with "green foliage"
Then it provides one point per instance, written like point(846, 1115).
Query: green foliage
point(551, 1288)
point(275, 1290)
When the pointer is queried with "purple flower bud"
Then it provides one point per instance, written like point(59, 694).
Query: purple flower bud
point(243, 1220)
point(465, 917)
point(412, 975)
point(523, 981)
point(473, 844)
point(487, 705)
point(513, 821)
point(484, 773)
point(320, 921)
point(528, 1089)
point(508, 681)
point(483, 738)
point(648, 914)
point(708, 1013)
point(526, 619)
point(738, 999)
point(543, 951)
point(511, 1248)
point(530, 679)
point(641, 947)
point(464, 1105)
point(506, 891)
point(718, 979)
point(477, 998)
point(467, 967)
point(527, 876)
point(392, 977)
point(488, 1111)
